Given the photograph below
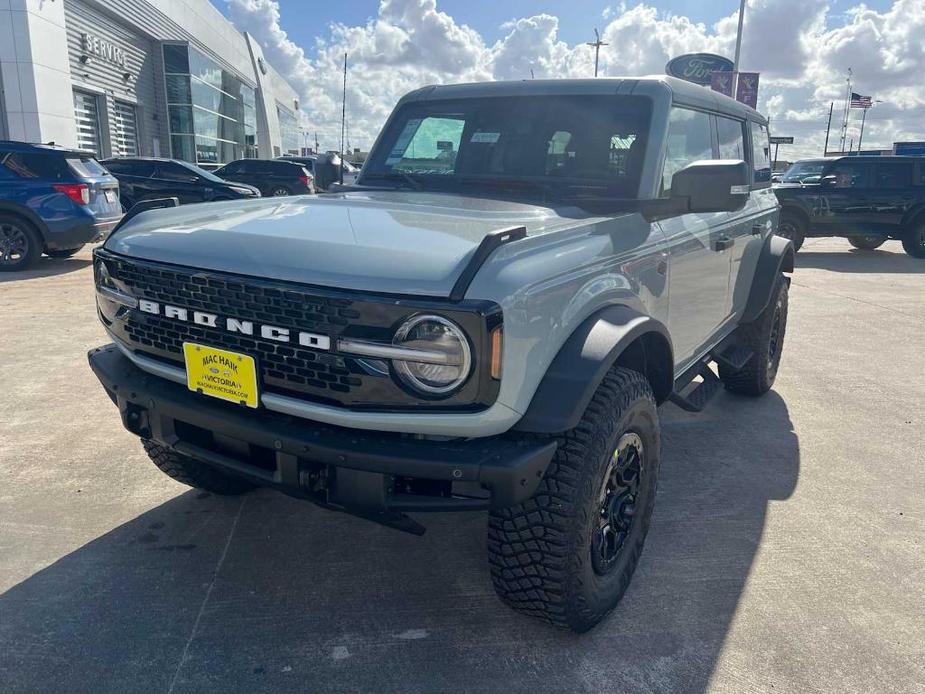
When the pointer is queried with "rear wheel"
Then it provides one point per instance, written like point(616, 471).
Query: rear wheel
point(764, 336)
point(567, 554)
point(279, 191)
point(191, 472)
point(867, 242)
point(792, 227)
point(20, 244)
point(62, 252)
point(914, 241)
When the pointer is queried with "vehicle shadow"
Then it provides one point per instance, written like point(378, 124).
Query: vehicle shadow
point(858, 261)
point(46, 267)
point(268, 593)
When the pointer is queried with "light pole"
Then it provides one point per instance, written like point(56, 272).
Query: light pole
point(597, 47)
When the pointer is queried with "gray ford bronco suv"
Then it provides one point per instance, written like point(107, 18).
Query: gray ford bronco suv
point(489, 319)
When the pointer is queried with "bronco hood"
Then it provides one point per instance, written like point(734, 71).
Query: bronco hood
point(379, 241)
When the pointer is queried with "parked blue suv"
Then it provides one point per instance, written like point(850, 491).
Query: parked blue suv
point(53, 201)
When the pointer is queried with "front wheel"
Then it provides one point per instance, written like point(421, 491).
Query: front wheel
point(764, 336)
point(914, 241)
point(62, 252)
point(791, 227)
point(191, 472)
point(867, 243)
point(567, 554)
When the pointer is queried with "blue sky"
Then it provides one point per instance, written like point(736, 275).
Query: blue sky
point(488, 16)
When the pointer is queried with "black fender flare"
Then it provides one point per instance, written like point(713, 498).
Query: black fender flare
point(608, 335)
point(777, 256)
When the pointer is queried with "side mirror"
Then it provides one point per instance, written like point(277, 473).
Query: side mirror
point(828, 180)
point(720, 185)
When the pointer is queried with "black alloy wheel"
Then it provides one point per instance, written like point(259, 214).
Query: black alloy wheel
point(789, 228)
point(279, 191)
point(19, 244)
point(617, 501)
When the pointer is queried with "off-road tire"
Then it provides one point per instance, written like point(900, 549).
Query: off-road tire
point(914, 241)
point(62, 252)
point(541, 552)
point(792, 227)
point(194, 473)
point(764, 336)
point(28, 243)
point(867, 243)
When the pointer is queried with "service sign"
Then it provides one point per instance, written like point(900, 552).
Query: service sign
point(698, 67)
point(781, 140)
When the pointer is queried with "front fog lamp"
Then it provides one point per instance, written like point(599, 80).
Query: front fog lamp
point(438, 359)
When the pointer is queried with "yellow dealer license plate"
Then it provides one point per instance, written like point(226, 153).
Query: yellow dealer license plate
point(221, 374)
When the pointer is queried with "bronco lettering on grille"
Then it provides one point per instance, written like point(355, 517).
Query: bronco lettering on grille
point(234, 325)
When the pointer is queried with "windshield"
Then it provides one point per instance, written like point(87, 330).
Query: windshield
point(802, 170)
point(553, 146)
point(208, 175)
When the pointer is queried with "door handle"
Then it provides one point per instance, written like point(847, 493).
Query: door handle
point(723, 242)
point(757, 229)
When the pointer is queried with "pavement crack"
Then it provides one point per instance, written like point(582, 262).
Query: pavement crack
point(860, 301)
point(205, 600)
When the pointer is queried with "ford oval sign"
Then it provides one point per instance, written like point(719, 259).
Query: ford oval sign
point(698, 67)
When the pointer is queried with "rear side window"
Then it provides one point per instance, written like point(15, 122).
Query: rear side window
point(689, 139)
point(731, 138)
point(761, 153)
point(86, 167)
point(175, 172)
point(894, 175)
point(36, 165)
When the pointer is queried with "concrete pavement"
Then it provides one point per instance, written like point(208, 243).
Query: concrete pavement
point(786, 551)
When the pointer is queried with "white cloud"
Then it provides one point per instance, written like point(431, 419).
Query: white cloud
point(802, 58)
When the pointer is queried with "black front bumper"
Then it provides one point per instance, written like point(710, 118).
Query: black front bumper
point(343, 468)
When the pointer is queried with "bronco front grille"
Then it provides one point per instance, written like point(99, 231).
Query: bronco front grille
point(284, 367)
point(288, 368)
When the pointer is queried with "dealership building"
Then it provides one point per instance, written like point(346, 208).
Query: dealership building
point(169, 78)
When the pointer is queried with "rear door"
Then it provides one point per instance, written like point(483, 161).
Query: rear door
point(699, 260)
point(893, 194)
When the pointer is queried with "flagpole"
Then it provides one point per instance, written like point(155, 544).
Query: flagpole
point(847, 111)
point(861, 136)
point(825, 147)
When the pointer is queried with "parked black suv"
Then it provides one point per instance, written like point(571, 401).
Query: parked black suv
point(273, 177)
point(865, 199)
point(145, 178)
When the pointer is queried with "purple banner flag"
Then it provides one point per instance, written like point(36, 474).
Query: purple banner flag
point(722, 82)
point(747, 89)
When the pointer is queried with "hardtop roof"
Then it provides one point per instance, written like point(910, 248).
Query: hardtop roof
point(681, 91)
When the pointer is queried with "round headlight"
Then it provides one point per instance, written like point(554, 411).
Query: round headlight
point(445, 357)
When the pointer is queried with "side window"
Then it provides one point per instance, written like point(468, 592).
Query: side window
point(174, 172)
point(142, 169)
point(898, 175)
point(761, 153)
point(234, 167)
point(689, 140)
point(850, 174)
point(28, 165)
point(731, 138)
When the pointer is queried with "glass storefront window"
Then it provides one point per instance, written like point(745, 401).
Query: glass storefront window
point(288, 130)
point(211, 104)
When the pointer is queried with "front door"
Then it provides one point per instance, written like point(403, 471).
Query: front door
point(843, 204)
point(698, 245)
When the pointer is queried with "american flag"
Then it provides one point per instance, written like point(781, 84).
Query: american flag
point(858, 101)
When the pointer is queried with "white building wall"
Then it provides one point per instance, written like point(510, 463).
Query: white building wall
point(37, 99)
